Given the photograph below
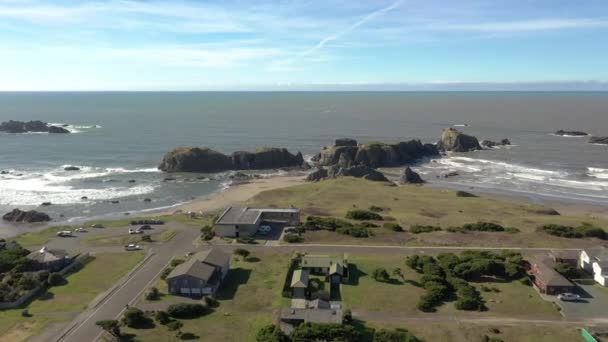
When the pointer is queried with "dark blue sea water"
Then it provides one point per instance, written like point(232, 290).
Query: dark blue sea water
point(122, 136)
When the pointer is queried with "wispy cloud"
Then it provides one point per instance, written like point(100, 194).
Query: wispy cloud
point(522, 26)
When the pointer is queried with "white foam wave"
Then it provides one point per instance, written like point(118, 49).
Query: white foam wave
point(74, 128)
point(597, 172)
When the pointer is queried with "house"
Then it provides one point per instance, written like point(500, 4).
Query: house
point(547, 279)
point(50, 259)
point(569, 257)
point(595, 261)
point(201, 275)
point(334, 267)
point(290, 318)
point(244, 221)
point(299, 283)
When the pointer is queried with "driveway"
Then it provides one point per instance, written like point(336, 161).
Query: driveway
point(592, 304)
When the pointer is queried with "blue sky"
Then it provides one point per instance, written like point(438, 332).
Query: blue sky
point(329, 44)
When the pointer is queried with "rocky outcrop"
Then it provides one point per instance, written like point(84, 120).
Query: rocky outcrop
point(491, 144)
point(357, 171)
point(348, 152)
point(205, 160)
point(317, 175)
point(561, 132)
point(21, 216)
point(408, 176)
point(71, 168)
point(599, 140)
point(452, 140)
point(30, 126)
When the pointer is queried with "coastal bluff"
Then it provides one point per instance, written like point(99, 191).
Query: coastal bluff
point(206, 160)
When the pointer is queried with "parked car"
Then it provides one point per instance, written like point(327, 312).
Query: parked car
point(80, 230)
point(135, 231)
point(568, 297)
point(132, 247)
point(65, 233)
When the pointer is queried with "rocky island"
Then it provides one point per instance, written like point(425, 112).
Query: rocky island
point(599, 140)
point(452, 140)
point(30, 127)
point(563, 133)
point(21, 216)
point(205, 160)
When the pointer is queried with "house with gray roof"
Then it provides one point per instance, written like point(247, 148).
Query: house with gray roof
point(245, 221)
point(299, 283)
point(289, 318)
point(50, 259)
point(200, 275)
point(546, 278)
point(595, 261)
point(334, 267)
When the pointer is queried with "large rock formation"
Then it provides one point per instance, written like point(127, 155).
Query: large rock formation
point(410, 177)
point(21, 216)
point(317, 175)
point(357, 171)
point(561, 132)
point(347, 151)
point(455, 141)
point(598, 140)
point(195, 159)
point(30, 126)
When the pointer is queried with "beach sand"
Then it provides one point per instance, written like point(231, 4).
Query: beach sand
point(238, 194)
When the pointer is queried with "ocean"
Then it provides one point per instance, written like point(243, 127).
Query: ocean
point(119, 138)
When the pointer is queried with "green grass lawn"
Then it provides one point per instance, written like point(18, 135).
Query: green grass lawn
point(127, 239)
point(399, 297)
point(39, 238)
point(62, 303)
point(250, 298)
point(423, 205)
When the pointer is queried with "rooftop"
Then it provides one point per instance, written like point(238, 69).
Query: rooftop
point(599, 252)
point(45, 255)
point(312, 315)
point(300, 279)
point(244, 215)
point(202, 265)
point(547, 274)
point(312, 260)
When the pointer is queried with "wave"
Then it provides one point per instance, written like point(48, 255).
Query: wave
point(74, 128)
point(597, 172)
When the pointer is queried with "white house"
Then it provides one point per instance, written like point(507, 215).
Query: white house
point(595, 261)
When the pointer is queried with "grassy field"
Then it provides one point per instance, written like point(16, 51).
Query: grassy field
point(468, 332)
point(398, 297)
point(410, 205)
point(62, 303)
point(250, 298)
point(120, 240)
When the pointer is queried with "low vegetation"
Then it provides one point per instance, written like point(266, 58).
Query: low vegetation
point(448, 274)
point(363, 215)
point(417, 229)
point(334, 332)
point(393, 226)
point(582, 231)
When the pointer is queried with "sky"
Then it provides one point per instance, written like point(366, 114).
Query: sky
point(298, 45)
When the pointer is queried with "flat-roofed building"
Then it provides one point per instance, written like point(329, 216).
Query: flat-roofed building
point(244, 221)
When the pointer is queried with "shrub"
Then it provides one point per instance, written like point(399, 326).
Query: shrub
point(111, 326)
point(135, 318)
point(176, 262)
point(512, 230)
point(368, 225)
point(376, 209)
point(188, 336)
point(393, 226)
point(146, 238)
point(292, 238)
point(465, 194)
point(174, 325)
point(242, 252)
point(207, 233)
point(162, 317)
point(566, 270)
point(26, 313)
point(397, 335)
point(347, 316)
point(483, 227)
point(324, 223)
point(211, 302)
point(325, 332)
point(357, 231)
point(55, 279)
point(153, 294)
point(166, 273)
point(417, 229)
point(271, 333)
point(380, 274)
point(363, 215)
point(186, 310)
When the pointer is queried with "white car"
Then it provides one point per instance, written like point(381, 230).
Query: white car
point(132, 247)
point(568, 297)
point(64, 233)
point(80, 230)
point(135, 231)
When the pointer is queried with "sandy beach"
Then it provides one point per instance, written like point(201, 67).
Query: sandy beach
point(238, 194)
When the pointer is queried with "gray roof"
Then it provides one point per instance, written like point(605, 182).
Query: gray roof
point(299, 279)
point(319, 304)
point(599, 252)
point(202, 265)
point(548, 274)
point(312, 315)
point(314, 260)
point(45, 255)
point(238, 215)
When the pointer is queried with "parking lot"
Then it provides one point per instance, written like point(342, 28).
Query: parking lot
point(593, 303)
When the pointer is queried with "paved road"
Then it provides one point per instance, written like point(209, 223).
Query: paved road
point(83, 327)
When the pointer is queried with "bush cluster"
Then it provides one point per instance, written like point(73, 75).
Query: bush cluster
point(363, 215)
point(582, 231)
point(324, 223)
point(417, 229)
point(355, 231)
point(376, 209)
point(293, 238)
point(478, 227)
point(448, 273)
point(187, 310)
point(334, 332)
point(207, 233)
point(393, 226)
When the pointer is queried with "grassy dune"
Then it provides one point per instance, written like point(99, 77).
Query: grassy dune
point(410, 205)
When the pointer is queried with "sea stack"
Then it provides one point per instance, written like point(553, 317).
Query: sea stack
point(452, 140)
